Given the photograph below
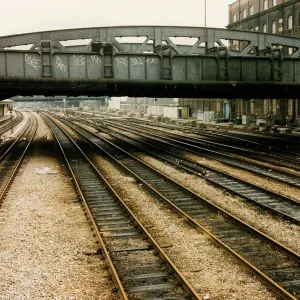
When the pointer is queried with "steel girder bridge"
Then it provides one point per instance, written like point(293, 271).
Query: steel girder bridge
point(150, 61)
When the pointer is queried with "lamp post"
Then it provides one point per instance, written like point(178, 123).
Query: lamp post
point(64, 100)
point(10, 107)
point(205, 28)
point(106, 100)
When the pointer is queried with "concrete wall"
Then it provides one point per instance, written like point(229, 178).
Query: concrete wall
point(155, 110)
point(197, 105)
point(176, 112)
point(115, 102)
point(171, 112)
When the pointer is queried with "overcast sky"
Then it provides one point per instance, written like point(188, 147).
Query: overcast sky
point(21, 16)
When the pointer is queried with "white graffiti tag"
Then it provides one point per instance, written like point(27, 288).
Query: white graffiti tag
point(152, 60)
point(96, 58)
point(60, 65)
point(142, 60)
point(121, 60)
point(33, 61)
point(79, 60)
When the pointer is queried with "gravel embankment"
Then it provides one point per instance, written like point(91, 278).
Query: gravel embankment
point(45, 236)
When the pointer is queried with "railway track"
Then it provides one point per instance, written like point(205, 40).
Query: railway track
point(284, 207)
point(156, 137)
point(272, 151)
point(227, 143)
point(138, 265)
point(6, 124)
point(276, 265)
point(276, 152)
point(279, 146)
point(12, 158)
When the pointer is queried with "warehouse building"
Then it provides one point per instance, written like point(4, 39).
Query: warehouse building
point(281, 17)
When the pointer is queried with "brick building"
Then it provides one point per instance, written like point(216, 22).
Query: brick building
point(271, 16)
point(281, 17)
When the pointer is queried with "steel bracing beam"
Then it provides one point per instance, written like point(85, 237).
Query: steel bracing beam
point(158, 34)
point(155, 33)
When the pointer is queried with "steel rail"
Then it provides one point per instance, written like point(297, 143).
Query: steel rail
point(276, 156)
point(6, 151)
point(273, 158)
point(182, 211)
point(21, 158)
point(259, 138)
point(5, 120)
point(279, 204)
point(186, 285)
point(224, 158)
point(16, 121)
point(120, 290)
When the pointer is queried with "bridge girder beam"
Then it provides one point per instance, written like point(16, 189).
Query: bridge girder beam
point(50, 68)
point(148, 88)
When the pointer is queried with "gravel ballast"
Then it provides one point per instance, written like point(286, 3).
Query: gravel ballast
point(282, 231)
point(45, 236)
point(209, 269)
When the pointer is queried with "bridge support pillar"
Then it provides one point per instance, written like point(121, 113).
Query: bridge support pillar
point(108, 61)
point(46, 57)
point(293, 119)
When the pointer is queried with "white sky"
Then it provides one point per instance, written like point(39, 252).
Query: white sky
point(21, 16)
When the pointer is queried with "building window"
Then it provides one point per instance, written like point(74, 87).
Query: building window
point(265, 4)
point(234, 17)
point(251, 29)
point(274, 2)
point(251, 10)
point(291, 51)
point(244, 13)
point(290, 22)
point(274, 29)
point(265, 28)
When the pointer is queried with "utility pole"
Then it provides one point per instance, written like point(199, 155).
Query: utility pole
point(64, 100)
point(11, 119)
point(239, 14)
point(205, 27)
